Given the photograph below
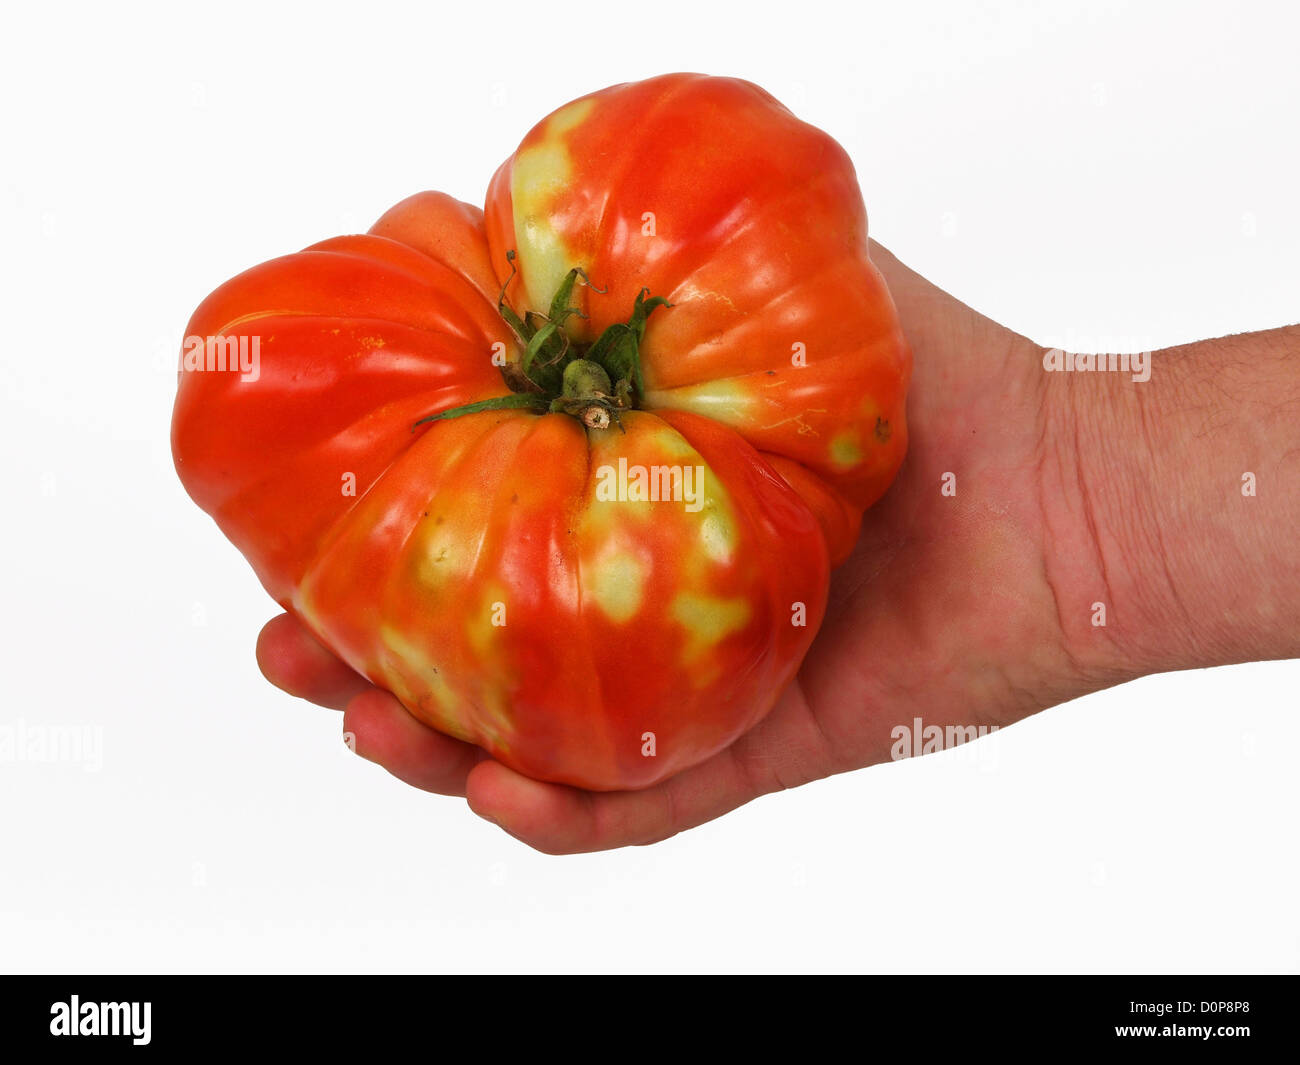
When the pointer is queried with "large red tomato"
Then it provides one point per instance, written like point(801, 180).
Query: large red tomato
point(567, 475)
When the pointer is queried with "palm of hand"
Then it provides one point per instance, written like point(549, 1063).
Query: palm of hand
point(943, 612)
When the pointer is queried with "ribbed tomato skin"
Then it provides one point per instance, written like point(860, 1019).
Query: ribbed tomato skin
point(476, 567)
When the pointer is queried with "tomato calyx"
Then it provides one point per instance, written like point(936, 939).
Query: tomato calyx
point(593, 382)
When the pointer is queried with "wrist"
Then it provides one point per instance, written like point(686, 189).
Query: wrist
point(1170, 506)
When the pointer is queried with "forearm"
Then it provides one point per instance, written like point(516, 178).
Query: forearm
point(1182, 502)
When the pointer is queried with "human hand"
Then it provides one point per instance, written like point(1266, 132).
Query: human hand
point(970, 606)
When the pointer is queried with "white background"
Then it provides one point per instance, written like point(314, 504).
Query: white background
point(1096, 175)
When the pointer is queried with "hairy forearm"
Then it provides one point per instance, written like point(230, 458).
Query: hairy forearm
point(1174, 502)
